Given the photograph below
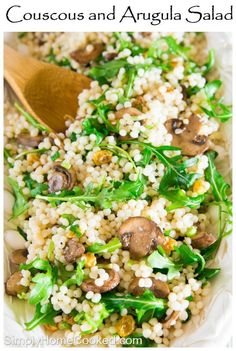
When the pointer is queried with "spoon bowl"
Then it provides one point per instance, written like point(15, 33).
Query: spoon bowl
point(47, 92)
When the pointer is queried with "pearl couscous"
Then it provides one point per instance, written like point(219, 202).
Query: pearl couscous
point(116, 237)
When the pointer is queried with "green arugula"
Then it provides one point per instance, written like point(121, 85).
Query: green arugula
point(64, 62)
point(89, 318)
point(190, 257)
point(218, 185)
point(216, 108)
point(44, 282)
point(175, 174)
point(34, 187)
point(119, 152)
point(175, 48)
point(92, 126)
point(139, 305)
point(78, 276)
point(208, 274)
point(43, 315)
point(104, 197)
point(111, 246)
point(31, 119)
point(210, 62)
point(21, 204)
point(107, 70)
point(156, 260)
point(179, 199)
point(29, 152)
point(7, 155)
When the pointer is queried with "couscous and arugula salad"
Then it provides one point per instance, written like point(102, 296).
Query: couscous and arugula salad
point(114, 214)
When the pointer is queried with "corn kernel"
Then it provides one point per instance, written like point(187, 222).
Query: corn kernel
point(90, 260)
point(125, 326)
point(101, 157)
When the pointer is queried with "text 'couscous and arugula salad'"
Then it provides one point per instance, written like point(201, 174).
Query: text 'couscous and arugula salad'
point(114, 215)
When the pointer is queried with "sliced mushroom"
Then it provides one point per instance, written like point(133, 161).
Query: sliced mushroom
point(171, 320)
point(159, 288)
point(73, 250)
point(13, 286)
point(132, 111)
point(109, 284)
point(187, 137)
point(202, 240)
point(19, 256)
point(61, 179)
point(26, 139)
point(140, 235)
point(85, 56)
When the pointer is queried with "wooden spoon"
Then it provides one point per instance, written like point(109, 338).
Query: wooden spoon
point(47, 92)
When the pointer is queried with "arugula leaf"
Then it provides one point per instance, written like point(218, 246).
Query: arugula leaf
point(218, 185)
point(78, 276)
point(31, 119)
point(208, 273)
point(139, 304)
point(216, 108)
point(64, 62)
point(73, 137)
point(43, 315)
point(71, 219)
point(44, 281)
point(28, 152)
point(176, 48)
point(189, 257)
point(7, 154)
point(21, 35)
point(92, 126)
point(156, 260)
point(175, 173)
point(179, 199)
point(107, 70)
point(101, 197)
point(119, 152)
point(125, 44)
point(34, 187)
point(89, 318)
point(21, 204)
point(75, 229)
point(210, 62)
point(111, 246)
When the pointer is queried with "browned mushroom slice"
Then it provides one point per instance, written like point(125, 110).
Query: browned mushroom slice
point(132, 111)
point(13, 286)
point(85, 56)
point(159, 288)
point(73, 250)
point(61, 179)
point(202, 240)
point(171, 319)
point(19, 256)
point(109, 284)
point(140, 235)
point(26, 139)
point(187, 137)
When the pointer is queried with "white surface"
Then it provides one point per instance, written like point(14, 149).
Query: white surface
point(212, 328)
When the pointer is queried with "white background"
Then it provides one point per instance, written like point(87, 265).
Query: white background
point(87, 6)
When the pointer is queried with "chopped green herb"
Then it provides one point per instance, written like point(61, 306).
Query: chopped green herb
point(55, 156)
point(179, 199)
point(34, 187)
